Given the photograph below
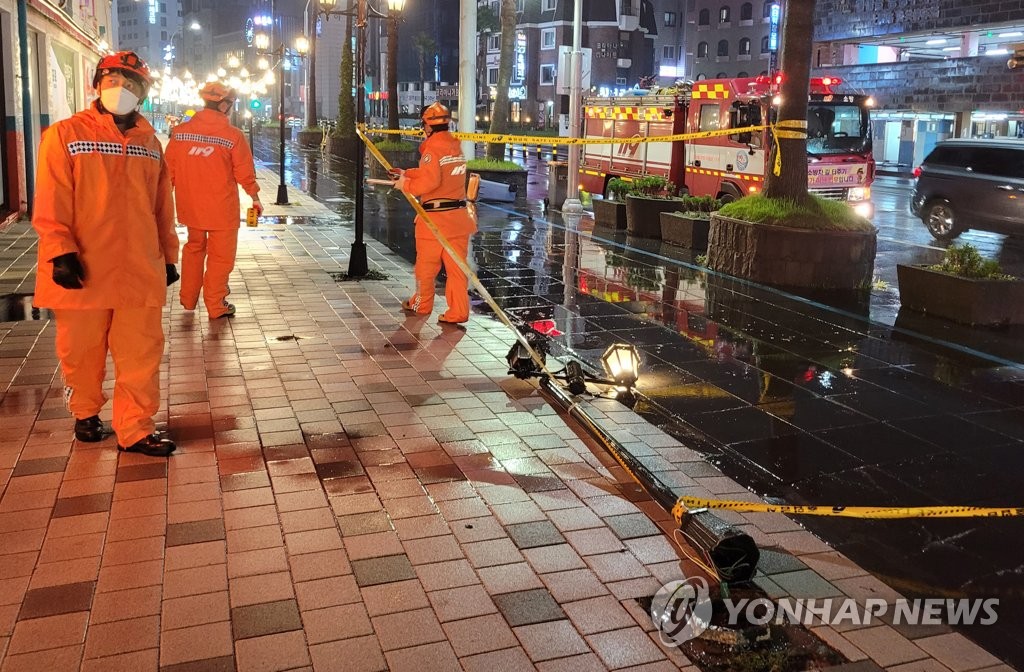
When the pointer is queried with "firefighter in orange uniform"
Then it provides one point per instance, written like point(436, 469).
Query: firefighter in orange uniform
point(208, 157)
point(440, 184)
point(106, 254)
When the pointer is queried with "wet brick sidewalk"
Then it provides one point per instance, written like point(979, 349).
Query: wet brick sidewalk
point(354, 489)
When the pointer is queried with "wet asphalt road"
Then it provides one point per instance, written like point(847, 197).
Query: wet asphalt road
point(797, 400)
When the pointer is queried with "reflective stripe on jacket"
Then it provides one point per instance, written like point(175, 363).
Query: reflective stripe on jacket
point(208, 157)
point(441, 175)
point(107, 196)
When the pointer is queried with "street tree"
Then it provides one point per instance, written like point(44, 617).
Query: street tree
point(392, 22)
point(424, 45)
point(499, 115)
point(346, 101)
point(789, 153)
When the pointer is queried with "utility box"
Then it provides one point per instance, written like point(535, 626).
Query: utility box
point(558, 183)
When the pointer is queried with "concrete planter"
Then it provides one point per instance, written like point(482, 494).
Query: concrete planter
point(685, 231)
point(310, 139)
point(397, 158)
point(610, 214)
point(789, 257)
point(514, 178)
point(643, 215)
point(963, 300)
point(344, 148)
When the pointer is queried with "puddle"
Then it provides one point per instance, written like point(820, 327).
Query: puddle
point(18, 308)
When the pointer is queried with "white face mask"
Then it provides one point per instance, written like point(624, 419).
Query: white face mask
point(118, 100)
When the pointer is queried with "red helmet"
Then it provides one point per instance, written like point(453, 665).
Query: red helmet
point(436, 113)
point(127, 63)
point(215, 92)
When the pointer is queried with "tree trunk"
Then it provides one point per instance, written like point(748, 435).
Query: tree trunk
point(393, 73)
point(797, 34)
point(346, 102)
point(499, 116)
point(423, 92)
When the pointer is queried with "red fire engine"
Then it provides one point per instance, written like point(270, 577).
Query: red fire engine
point(840, 164)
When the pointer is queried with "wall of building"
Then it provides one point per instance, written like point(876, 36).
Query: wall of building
point(955, 85)
point(62, 48)
point(848, 19)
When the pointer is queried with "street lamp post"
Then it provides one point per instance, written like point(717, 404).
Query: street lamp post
point(357, 262)
point(262, 43)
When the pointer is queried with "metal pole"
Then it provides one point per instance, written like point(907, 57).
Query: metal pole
point(467, 74)
point(572, 186)
point(251, 148)
point(357, 263)
point(311, 111)
point(282, 188)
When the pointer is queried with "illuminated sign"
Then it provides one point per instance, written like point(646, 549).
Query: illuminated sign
point(517, 93)
point(152, 12)
point(773, 29)
point(519, 69)
point(250, 31)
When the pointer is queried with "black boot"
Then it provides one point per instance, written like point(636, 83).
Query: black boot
point(89, 430)
point(153, 445)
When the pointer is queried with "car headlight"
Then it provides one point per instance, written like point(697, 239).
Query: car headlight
point(865, 209)
point(860, 194)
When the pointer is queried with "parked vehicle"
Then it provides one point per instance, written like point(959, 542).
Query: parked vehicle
point(727, 167)
point(971, 184)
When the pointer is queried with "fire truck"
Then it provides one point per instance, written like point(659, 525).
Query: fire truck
point(840, 163)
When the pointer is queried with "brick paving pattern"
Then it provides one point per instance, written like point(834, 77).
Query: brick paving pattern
point(353, 490)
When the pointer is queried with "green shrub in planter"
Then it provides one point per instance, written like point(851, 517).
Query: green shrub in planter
point(965, 261)
point(699, 207)
point(965, 288)
point(618, 189)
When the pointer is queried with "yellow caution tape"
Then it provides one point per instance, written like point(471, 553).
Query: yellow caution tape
point(690, 503)
point(537, 141)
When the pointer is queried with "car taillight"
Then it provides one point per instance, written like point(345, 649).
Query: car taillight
point(917, 171)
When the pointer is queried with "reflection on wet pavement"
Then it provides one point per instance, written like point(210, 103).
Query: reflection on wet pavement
point(799, 401)
point(19, 308)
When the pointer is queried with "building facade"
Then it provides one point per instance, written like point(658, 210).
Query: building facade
point(150, 28)
point(47, 60)
point(730, 38)
point(936, 68)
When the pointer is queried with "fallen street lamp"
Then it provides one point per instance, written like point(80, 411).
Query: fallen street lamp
point(357, 262)
point(281, 53)
point(621, 363)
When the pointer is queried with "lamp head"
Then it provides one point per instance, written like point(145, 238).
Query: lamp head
point(621, 363)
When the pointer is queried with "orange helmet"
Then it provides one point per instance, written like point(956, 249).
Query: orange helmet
point(436, 113)
point(215, 92)
point(127, 63)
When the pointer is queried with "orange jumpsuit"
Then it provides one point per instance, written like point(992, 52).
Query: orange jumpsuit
point(107, 197)
point(208, 157)
point(441, 175)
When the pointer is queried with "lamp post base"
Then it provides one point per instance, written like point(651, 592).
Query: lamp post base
point(357, 264)
point(282, 195)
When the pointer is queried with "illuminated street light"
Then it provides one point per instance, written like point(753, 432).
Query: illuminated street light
point(622, 364)
point(234, 62)
point(261, 41)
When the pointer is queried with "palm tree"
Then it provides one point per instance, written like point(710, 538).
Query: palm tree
point(499, 116)
point(393, 71)
point(795, 60)
point(346, 101)
point(424, 44)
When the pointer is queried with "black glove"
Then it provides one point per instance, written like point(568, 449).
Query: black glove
point(68, 271)
point(172, 274)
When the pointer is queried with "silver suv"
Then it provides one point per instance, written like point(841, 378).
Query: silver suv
point(971, 184)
